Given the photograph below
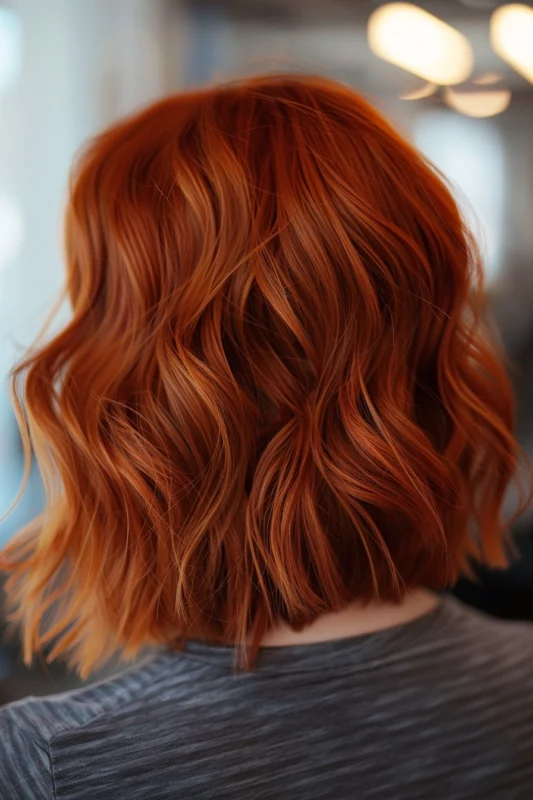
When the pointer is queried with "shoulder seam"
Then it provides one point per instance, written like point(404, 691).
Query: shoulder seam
point(46, 743)
point(118, 702)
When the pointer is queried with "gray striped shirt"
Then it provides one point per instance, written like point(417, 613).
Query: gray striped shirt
point(441, 707)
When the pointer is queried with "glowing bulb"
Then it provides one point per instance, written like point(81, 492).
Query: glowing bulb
point(417, 94)
point(511, 35)
point(415, 40)
point(478, 104)
point(10, 48)
point(487, 79)
point(11, 231)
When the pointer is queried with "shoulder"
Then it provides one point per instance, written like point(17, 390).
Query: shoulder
point(25, 769)
point(504, 638)
point(28, 727)
point(496, 654)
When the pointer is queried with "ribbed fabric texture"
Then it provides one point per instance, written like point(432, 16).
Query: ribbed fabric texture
point(441, 707)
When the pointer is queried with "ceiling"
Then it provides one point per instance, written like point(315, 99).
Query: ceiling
point(332, 35)
point(305, 10)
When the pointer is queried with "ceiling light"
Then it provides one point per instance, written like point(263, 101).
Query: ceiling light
point(478, 104)
point(415, 40)
point(511, 35)
point(487, 79)
point(417, 94)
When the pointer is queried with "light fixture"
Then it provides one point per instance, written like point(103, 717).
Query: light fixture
point(511, 36)
point(10, 48)
point(478, 104)
point(417, 94)
point(487, 79)
point(411, 38)
point(11, 231)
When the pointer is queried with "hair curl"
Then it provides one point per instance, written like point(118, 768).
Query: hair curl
point(276, 393)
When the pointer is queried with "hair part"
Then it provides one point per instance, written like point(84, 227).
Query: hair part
point(277, 393)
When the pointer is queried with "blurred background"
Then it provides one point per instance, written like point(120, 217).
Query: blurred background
point(456, 76)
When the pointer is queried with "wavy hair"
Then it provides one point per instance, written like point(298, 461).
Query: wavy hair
point(276, 394)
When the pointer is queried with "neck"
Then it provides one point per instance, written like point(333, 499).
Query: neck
point(354, 620)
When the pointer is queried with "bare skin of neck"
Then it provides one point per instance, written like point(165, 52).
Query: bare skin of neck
point(354, 620)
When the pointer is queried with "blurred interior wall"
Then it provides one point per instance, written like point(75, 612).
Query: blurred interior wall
point(84, 63)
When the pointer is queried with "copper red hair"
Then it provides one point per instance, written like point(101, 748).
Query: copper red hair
point(276, 394)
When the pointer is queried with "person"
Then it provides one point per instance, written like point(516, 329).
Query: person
point(277, 425)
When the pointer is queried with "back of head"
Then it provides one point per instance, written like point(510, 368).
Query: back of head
point(275, 395)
